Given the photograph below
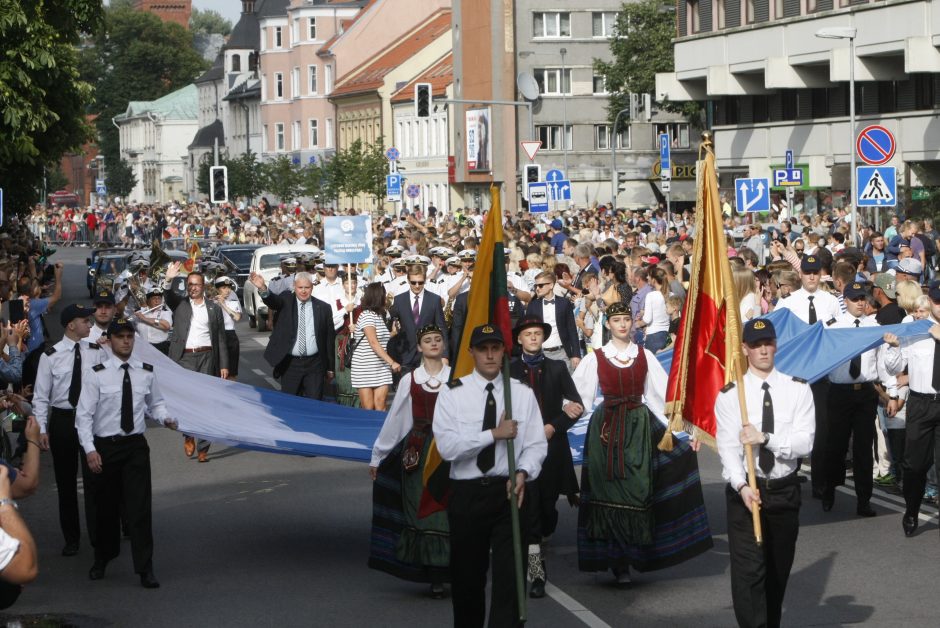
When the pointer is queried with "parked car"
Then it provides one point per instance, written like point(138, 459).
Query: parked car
point(266, 261)
point(238, 256)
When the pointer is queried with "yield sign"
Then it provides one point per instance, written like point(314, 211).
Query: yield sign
point(531, 147)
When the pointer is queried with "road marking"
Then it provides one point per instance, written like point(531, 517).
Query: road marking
point(574, 607)
point(927, 513)
point(261, 340)
point(274, 383)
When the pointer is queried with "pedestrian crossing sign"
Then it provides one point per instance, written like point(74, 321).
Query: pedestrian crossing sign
point(877, 186)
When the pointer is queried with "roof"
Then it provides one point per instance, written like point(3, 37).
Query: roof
point(370, 75)
point(440, 76)
point(183, 104)
point(214, 73)
point(206, 136)
point(345, 25)
point(245, 90)
point(271, 8)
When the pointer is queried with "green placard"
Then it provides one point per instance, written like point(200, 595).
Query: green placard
point(803, 167)
point(920, 194)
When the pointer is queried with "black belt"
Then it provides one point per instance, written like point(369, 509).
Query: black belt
point(927, 396)
point(486, 480)
point(558, 348)
point(117, 438)
point(854, 386)
point(787, 480)
point(62, 412)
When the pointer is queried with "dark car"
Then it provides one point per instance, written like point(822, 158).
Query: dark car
point(105, 270)
point(91, 261)
point(238, 258)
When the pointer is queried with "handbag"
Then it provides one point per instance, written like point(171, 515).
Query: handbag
point(351, 345)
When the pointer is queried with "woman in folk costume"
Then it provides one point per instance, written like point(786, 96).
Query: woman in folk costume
point(640, 506)
point(408, 541)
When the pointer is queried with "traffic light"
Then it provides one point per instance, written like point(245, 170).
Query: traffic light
point(532, 173)
point(218, 184)
point(621, 181)
point(423, 100)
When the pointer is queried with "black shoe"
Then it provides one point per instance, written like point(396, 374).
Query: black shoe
point(817, 493)
point(865, 510)
point(909, 524)
point(70, 549)
point(147, 580)
point(537, 590)
point(828, 499)
point(97, 571)
point(437, 590)
point(622, 575)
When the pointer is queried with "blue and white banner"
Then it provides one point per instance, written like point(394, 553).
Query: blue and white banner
point(240, 415)
point(347, 239)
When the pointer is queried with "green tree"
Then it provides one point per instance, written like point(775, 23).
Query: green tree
point(641, 47)
point(245, 177)
point(42, 98)
point(135, 56)
point(283, 178)
point(56, 180)
point(363, 169)
point(202, 175)
point(209, 21)
point(120, 179)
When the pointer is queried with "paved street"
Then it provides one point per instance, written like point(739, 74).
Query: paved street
point(265, 539)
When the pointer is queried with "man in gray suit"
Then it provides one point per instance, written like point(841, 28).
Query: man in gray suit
point(198, 341)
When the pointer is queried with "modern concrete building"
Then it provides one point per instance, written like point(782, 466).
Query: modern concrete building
point(154, 137)
point(773, 84)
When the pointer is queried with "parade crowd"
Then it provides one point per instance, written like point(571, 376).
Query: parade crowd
point(594, 295)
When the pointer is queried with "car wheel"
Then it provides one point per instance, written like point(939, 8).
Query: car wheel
point(252, 321)
point(262, 323)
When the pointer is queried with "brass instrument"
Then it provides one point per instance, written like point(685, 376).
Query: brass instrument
point(449, 312)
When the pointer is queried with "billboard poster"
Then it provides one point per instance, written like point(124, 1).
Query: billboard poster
point(479, 147)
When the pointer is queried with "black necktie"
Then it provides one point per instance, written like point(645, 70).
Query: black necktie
point(75, 386)
point(766, 458)
point(812, 310)
point(855, 366)
point(487, 457)
point(127, 402)
point(935, 381)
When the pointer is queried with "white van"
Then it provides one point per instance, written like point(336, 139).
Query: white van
point(266, 261)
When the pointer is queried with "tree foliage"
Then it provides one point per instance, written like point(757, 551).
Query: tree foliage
point(208, 21)
point(283, 178)
point(641, 47)
point(42, 99)
point(120, 178)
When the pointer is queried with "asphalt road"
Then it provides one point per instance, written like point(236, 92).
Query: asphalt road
point(254, 539)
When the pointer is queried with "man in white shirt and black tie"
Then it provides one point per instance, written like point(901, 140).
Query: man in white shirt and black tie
point(780, 430)
point(116, 396)
point(468, 434)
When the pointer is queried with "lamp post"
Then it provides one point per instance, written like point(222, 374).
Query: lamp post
point(564, 111)
point(612, 138)
point(847, 32)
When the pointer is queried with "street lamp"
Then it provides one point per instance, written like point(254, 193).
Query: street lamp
point(613, 158)
point(564, 111)
point(847, 32)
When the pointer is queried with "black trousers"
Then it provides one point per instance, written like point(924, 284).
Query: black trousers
point(480, 520)
point(541, 515)
point(124, 480)
point(759, 573)
point(852, 415)
point(818, 457)
point(304, 377)
point(67, 456)
point(921, 448)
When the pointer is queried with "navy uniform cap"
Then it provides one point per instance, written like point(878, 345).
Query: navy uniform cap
point(855, 290)
point(934, 291)
point(486, 333)
point(118, 325)
point(104, 296)
point(758, 329)
point(74, 311)
point(810, 264)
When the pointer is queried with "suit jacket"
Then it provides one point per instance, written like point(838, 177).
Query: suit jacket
point(459, 321)
point(553, 385)
point(431, 313)
point(564, 321)
point(284, 334)
point(183, 316)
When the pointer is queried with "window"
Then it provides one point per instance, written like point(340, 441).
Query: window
point(329, 132)
point(695, 16)
point(277, 37)
point(264, 139)
point(312, 28)
point(295, 31)
point(602, 137)
point(279, 136)
point(278, 85)
point(555, 24)
point(252, 62)
point(551, 81)
point(678, 131)
point(551, 137)
point(600, 85)
point(236, 63)
point(314, 134)
point(603, 23)
point(311, 79)
point(295, 136)
point(295, 83)
point(328, 81)
point(264, 87)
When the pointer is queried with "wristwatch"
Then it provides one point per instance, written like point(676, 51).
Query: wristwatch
point(6, 500)
point(766, 436)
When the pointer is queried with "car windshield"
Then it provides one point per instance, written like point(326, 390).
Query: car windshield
point(112, 265)
point(272, 260)
point(240, 257)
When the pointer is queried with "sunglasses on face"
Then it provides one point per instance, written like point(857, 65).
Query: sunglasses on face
point(416, 283)
point(542, 285)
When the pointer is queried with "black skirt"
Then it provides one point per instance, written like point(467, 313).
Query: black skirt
point(232, 344)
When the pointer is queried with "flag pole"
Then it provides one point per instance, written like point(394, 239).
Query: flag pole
point(749, 456)
point(513, 502)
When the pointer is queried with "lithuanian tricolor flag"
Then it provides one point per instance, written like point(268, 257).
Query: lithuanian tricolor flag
point(194, 254)
point(708, 346)
point(488, 303)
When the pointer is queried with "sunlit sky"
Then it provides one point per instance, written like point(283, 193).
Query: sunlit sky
point(228, 8)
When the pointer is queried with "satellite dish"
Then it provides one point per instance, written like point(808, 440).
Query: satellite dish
point(527, 86)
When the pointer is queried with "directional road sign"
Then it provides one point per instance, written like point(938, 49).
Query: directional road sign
point(392, 154)
point(393, 186)
point(875, 145)
point(555, 175)
point(665, 160)
point(877, 186)
point(538, 197)
point(100, 188)
point(788, 177)
point(413, 191)
point(559, 190)
point(752, 195)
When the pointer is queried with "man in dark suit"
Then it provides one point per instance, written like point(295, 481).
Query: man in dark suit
point(415, 309)
point(558, 312)
point(560, 405)
point(302, 341)
point(198, 341)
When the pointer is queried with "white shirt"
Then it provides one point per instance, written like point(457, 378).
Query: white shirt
point(305, 308)
point(749, 307)
point(96, 333)
point(232, 304)
point(8, 549)
point(397, 286)
point(54, 376)
point(654, 388)
point(151, 333)
point(794, 425)
point(340, 315)
point(548, 316)
point(329, 292)
point(917, 356)
point(400, 420)
point(199, 335)
point(872, 365)
point(827, 306)
point(99, 407)
point(458, 428)
point(654, 312)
